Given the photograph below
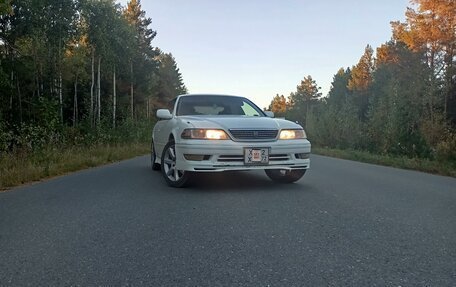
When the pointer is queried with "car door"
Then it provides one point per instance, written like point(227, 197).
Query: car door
point(162, 130)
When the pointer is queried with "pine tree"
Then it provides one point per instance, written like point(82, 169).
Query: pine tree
point(361, 74)
point(395, 114)
point(278, 105)
point(339, 92)
point(144, 34)
point(170, 83)
point(430, 29)
point(360, 80)
point(307, 92)
point(143, 65)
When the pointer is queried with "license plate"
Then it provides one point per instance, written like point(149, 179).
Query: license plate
point(256, 155)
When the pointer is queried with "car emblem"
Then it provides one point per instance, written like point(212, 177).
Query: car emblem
point(255, 134)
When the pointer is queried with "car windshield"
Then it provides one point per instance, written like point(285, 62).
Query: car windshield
point(217, 105)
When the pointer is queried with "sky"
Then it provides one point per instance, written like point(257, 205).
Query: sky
point(258, 49)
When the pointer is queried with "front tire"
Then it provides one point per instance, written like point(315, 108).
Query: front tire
point(173, 176)
point(285, 176)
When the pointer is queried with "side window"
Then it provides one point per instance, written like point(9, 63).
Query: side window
point(249, 110)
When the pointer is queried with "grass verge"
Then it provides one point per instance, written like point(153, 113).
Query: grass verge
point(20, 168)
point(431, 166)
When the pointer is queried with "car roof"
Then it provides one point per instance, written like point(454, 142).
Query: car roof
point(217, 95)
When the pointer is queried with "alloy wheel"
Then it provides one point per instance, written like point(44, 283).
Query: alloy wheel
point(173, 176)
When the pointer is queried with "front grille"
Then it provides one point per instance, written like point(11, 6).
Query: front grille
point(278, 157)
point(240, 158)
point(240, 134)
point(230, 158)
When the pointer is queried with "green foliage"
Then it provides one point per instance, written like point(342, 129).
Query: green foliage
point(47, 82)
point(144, 35)
point(5, 7)
point(360, 81)
point(6, 137)
point(429, 29)
point(446, 149)
point(361, 74)
point(400, 102)
point(32, 138)
point(423, 164)
point(170, 81)
point(339, 92)
point(300, 102)
point(392, 108)
point(396, 108)
point(128, 131)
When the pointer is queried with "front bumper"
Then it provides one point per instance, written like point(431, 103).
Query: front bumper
point(227, 155)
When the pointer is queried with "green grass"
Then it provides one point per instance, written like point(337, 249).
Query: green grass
point(20, 168)
point(447, 168)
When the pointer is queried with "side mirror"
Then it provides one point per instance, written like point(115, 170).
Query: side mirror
point(164, 114)
point(269, 114)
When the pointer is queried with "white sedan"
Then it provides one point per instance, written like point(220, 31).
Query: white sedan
point(214, 133)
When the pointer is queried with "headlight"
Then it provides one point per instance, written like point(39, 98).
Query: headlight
point(204, 134)
point(292, 134)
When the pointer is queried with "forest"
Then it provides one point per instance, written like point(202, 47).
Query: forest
point(399, 99)
point(80, 77)
point(79, 72)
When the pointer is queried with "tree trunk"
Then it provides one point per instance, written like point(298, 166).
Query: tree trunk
point(37, 83)
point(114, 99)
point(131, 90)
point(75, 102)
point(99, 92)
point(59, 62)
point(91, 89)
point(430, 97)
point(37, 71)
point(60, 97)
point(11, 92)
point(148, 108)
point(448, 76)
point(20, 98)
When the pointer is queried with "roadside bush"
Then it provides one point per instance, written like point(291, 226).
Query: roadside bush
point(30, 137)
point(446, 149)
point(134, 132)
point(6, 137)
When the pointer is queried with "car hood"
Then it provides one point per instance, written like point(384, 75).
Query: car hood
point(238, 122)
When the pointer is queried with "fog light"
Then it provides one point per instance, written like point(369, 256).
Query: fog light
point(195, 157)
point(302, 155)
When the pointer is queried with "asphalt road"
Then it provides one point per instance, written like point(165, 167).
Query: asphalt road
point(343, 224)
